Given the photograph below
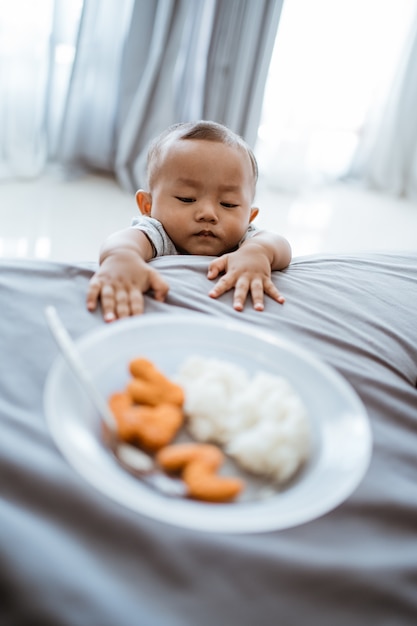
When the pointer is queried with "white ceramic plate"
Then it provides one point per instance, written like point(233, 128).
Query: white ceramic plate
point(341, 431)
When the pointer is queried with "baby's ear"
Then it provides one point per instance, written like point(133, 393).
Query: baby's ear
point(253, 213)
point(144, 201)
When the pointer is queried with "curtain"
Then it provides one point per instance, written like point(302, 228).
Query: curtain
point(24, 71)
point(333, 66)
point(37, 49)
point(386, 158)
point(89, 84)
point(201, 59)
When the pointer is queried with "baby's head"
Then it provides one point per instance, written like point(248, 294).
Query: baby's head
point(201, 184)
point(203, 130)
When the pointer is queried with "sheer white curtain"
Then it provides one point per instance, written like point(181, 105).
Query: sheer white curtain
point(204, 59)
point(333, 67)
point(89, 83)
point(387, 155)
point(36, 55)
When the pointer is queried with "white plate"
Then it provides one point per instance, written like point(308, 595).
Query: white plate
point(341, 431)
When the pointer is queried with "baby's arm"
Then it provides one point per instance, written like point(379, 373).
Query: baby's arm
point(248, 269)
point(124, 276)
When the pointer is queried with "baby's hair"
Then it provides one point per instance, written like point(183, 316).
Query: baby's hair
point(206, 130)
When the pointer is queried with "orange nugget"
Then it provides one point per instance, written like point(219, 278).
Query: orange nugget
point(174, 458)
point(149, 427)
point(150, 386)
point(198, 464)
point(203, 484)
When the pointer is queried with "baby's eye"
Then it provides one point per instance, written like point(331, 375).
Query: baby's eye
point(181, 199)
point(228, 205)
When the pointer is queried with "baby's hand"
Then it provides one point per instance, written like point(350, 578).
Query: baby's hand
point(248, 270)
point(120, 283)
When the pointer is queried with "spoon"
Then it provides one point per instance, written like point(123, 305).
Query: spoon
point(130, 458)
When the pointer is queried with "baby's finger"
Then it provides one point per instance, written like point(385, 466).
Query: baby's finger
point(122, 302)
point(217, 266)
point(108, 303)
point(223, 285)
point(240, 294)
point(159, 286)
point(272, 292)
point(257, 294)
point(93, 294)
point(137, 304)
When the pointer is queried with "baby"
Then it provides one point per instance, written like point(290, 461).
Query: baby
point(200, 188)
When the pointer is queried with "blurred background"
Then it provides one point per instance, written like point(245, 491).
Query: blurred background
point(324, 91)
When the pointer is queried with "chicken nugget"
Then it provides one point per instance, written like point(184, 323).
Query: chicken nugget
point(204, 484)
point(175, 457)
point(149, 427)
point(198, 464)
point(150, 386)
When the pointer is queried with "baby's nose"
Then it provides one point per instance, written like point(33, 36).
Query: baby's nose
point(206, 212)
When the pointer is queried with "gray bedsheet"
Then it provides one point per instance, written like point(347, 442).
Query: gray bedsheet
point(69, 556)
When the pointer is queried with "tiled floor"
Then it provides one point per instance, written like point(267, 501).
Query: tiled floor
point(53, 218)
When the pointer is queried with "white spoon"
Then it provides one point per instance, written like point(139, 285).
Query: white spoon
point(131, 458)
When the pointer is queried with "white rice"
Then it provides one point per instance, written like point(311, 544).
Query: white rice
point(261, 421)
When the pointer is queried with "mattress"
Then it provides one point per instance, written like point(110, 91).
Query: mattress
point(70, 556)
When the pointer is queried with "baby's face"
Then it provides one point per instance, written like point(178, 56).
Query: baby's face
point(202, 195)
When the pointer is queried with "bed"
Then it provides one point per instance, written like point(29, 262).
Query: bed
point(70, 556)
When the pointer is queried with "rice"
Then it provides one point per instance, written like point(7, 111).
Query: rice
point(260, 421)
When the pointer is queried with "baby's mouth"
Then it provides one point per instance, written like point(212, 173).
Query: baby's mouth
point(205, 233)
